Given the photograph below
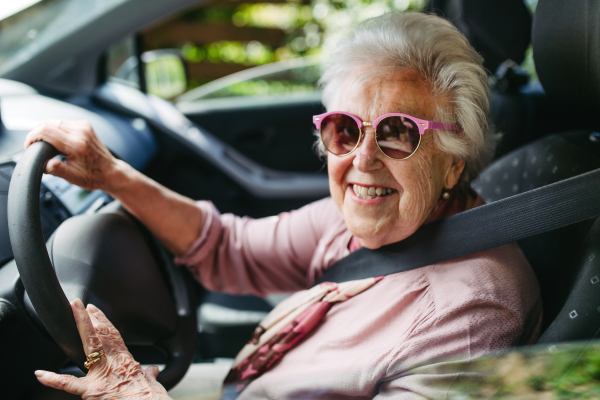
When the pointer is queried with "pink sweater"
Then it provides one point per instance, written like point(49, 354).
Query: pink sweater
point(385, 342)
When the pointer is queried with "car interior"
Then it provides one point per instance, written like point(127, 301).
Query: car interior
point(256, 158)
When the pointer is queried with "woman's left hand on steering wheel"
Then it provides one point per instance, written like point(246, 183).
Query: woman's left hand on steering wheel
point(116, 375)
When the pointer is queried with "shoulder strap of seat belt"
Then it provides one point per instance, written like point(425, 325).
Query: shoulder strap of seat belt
point(504, 221)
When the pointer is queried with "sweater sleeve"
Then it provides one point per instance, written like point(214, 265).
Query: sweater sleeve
point(241, 255)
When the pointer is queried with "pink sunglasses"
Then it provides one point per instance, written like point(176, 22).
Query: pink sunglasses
point(397, 135)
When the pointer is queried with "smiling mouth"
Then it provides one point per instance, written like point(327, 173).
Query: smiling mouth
point(369, 193)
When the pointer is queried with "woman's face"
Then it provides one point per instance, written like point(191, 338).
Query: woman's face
point(417, 182)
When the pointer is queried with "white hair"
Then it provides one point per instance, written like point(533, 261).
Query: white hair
point(438, 51)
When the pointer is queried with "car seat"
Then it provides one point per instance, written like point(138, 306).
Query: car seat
point(501, 32)
point(566, 261)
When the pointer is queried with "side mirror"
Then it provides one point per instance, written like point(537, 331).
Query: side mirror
point(166, 74)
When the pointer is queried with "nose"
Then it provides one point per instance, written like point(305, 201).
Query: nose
point(367, 156)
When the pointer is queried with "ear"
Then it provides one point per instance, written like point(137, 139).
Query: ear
point(454, 173)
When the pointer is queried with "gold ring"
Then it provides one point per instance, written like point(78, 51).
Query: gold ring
point(93, 358)
point(58, 126)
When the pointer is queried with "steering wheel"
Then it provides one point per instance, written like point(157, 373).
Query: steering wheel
point(39, 277)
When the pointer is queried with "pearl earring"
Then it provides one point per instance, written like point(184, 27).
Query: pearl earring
point(445, 195)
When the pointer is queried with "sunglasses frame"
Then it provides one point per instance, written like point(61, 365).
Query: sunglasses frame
point(422, 124)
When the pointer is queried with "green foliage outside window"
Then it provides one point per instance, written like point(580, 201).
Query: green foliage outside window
point(562, 371)
point(305, 27)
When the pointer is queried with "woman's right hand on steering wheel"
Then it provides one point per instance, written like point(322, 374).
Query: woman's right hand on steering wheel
point(173, 218)
point(89, 164)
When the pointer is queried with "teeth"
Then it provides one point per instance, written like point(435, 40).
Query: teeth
point(371, 192)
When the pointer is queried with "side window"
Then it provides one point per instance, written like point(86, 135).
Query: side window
point(290, 77)
point(122, 63)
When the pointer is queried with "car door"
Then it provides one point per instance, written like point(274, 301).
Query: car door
point(265, 113)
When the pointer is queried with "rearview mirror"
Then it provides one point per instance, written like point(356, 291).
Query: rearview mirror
point(166, 75)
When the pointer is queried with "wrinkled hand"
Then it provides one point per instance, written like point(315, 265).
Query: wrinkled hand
point(115, 376)
point(89, 164)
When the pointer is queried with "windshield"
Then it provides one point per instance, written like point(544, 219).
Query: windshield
point(30, 31)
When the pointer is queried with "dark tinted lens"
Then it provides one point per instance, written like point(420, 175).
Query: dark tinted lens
point(398, 137)
point(339, 133)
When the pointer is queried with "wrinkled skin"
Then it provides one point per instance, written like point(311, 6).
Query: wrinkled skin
point(418, 180)
point(171, 217)
point(89, 164)
point(117, 375)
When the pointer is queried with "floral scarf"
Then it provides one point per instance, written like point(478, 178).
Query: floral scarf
point(284, 327)
point(291, 321)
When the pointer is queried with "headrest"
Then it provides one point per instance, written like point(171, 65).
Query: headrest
point(498, 30)
point(566, 50)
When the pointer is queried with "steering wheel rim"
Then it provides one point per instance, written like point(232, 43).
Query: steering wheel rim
point(43, 288)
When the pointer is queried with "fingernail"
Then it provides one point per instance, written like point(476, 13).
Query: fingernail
point(92, 308)
point(79, 304)
point(40, 374)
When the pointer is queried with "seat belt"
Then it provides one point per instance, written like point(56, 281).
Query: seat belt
point(504, 221)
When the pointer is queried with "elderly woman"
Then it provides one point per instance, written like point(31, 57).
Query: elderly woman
point(406, 132)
